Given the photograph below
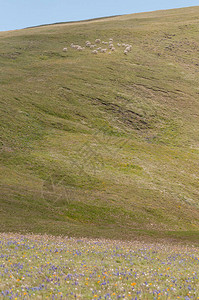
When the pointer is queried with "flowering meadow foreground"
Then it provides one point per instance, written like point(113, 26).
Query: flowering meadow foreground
point(46, 267)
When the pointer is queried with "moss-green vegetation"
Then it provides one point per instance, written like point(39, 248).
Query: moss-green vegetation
point(102, 145)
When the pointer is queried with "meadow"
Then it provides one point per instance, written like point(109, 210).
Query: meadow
point(47, 267)
point(99, 170)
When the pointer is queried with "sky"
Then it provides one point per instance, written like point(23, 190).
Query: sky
point(17, 14)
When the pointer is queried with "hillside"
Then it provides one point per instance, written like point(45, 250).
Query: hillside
point(102, 145)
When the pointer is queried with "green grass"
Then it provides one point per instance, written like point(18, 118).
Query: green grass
point(105, 145)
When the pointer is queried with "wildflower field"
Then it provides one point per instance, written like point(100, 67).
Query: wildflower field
point(46, 267)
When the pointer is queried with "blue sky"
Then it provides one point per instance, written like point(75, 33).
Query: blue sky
point(16, 14)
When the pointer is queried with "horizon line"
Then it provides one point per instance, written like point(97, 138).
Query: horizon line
point(96, 18)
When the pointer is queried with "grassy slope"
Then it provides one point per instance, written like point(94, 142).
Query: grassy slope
point(102, 145)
